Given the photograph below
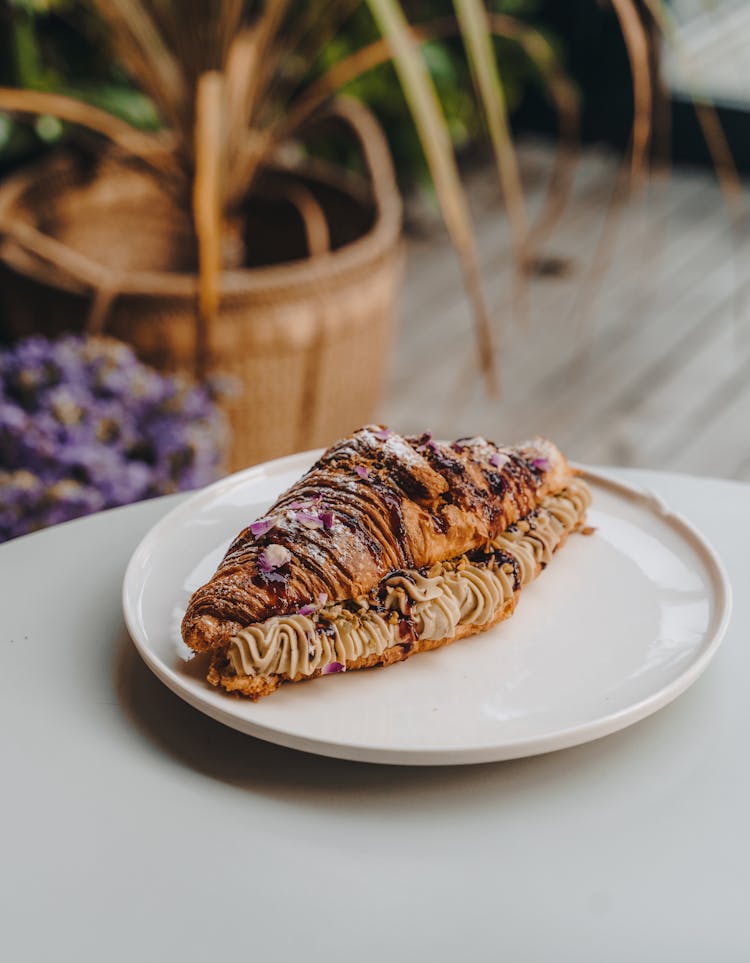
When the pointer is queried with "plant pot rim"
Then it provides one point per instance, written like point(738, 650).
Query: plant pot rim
point(300, 276)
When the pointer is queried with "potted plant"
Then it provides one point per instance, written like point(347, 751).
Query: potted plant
point(218, 242)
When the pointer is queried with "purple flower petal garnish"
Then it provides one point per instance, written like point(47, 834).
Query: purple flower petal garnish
point(261, 527)
point(332, 667)
point(273, 556)
point(295, 505)
point(309, 519)
point(322, 598)
point(327, 520)
point(428, 444)
point(383, 434)
point(496, 461)
point(541, 463)
point(307, 609)
point(363, 473)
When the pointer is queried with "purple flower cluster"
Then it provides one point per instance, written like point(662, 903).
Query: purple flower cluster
point(85, 426)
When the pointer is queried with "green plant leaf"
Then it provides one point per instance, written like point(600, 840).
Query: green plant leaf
point(348, 71)
point(124, 102)
point(475, 29)
point(435, 139)
point(143, 52)
point(561, 90)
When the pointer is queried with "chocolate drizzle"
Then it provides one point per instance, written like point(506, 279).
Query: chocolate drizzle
point(415, 502)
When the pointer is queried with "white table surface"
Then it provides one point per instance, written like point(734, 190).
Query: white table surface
point(134, 828)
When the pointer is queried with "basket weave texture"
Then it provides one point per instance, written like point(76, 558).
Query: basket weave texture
point(305, 341)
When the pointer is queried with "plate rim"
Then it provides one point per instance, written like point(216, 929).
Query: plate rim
point(568, 737)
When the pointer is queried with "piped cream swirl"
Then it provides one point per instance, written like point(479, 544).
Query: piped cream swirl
point(450, 594)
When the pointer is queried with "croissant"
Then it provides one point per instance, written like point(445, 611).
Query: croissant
point(386, 547)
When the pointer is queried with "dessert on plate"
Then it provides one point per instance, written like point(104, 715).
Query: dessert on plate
point(388, 546)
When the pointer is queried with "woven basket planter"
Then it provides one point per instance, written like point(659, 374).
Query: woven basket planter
point(306, 340)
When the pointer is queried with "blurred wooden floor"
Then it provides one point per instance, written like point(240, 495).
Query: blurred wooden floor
point(650, 367)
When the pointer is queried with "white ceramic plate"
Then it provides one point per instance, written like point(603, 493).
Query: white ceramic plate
point(618, 625)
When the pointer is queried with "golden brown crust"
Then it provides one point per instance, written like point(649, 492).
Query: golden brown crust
point(388, 503)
